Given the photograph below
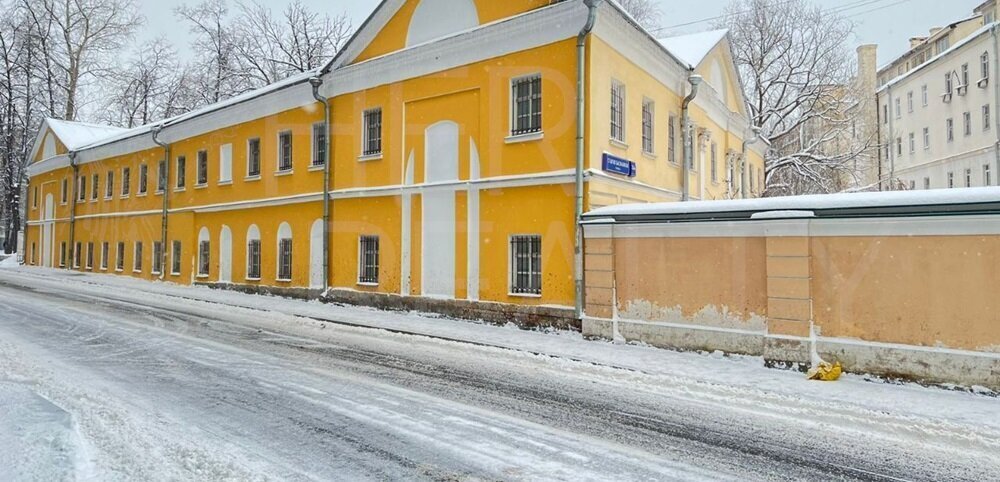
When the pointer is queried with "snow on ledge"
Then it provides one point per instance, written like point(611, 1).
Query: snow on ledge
point(783, 215)
point(809, 203)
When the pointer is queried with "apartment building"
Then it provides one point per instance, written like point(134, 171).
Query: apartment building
point(448, 169)
point(937, 108)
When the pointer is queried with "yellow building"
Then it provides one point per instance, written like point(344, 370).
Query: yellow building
point(458, 161)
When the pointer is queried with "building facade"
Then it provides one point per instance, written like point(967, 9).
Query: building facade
point(447, 170)
point(937, 118)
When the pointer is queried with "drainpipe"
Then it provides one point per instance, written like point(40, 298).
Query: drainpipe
point(72, 210)
point(996, 97)
point(166, 197)
point(695, 81)
point(581, 60)
point(743, 160)
point(316, 82)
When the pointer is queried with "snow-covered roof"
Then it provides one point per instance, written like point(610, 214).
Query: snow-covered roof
point(927, 39)
point(75, 135)
point(693, 48)
point(819, 202)
point(973, 36)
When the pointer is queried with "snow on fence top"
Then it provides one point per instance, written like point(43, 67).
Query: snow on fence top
point(927, 198)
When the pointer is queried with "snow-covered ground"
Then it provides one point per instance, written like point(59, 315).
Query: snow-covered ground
point(121, 379)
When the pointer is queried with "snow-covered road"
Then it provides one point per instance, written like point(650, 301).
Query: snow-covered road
point(132, 382)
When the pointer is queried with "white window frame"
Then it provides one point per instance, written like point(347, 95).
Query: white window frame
point(927, 138)
point(950, 129)
point(967, 123)
point(120, 257)
point(126, 181)
point(366, 154)
point(137, 257)
point(530, 133)
point(143, 188)
point(176, 249)
point(180, 175)
point(986, 117)
point(201, 167)
point(279, 153)
point(157, 258)
point(285, 233)
point(913, 143)
point(318, 161)
point(225, 164)
point(109, 185)
point(909, 102)
point(648, 130)
point(923, 95)
point(619, 94)
point(253, 176)
point(105, 254)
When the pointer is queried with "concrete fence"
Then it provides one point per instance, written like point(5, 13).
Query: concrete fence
point(900, 285)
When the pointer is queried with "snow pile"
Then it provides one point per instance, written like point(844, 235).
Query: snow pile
point(693, 48)
point(75, 135)
point(37, 439)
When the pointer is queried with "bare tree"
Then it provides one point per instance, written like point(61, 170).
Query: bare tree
point(216, 74)
point(800, 85)
point(646, 12)
point(299, 40)
point(80, 38)
point(149, 87)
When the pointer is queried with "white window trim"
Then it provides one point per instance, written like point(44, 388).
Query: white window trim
point(313, 166)
point(620, 142)
point(361, 262)
point(197, 167)
point(512, 112)
point(362, 157)
point(173, 254)
point(650, 102)
point(248, 176)
point(135, 257)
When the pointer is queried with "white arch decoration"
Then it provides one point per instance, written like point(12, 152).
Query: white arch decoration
point(253, 234)
point(316, 255)
point(203, 236)
point(441, 146)
point(226, 255)
point(284, 232)
point(434, 19)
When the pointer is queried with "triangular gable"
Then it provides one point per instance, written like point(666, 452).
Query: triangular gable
point(399, 24)
point(698, 50)
point(60, 137)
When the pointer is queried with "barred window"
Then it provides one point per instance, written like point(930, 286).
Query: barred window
point(157, 257)
point(285, 151)
point(672, 139)
point(120, 257)
point(202, 168)
point(95, 188)
point(77, 254)
point(526, 264)
point(81, 191)
point(143, 178)
point(253, 259)
point(181, 172)
point(105, 254)
point(648, 110)
point(285, 259)
point(204, 257)
point(161, 177)
point(368, 259)
point(617, 111)
point(175, 262)
point(372, 135)
point(137, 257)
point(90, 256)
point(253, 157)
point(526, 93)
point(109, 188)
point(319, 144)
point(62, 254)
point(126, 181)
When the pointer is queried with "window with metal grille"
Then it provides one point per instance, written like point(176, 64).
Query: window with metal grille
point(90, 256)
point(157, 257)
point(202, 168)
point(253, 259)
point(143, 178)
point(285, 151)
point(120, 257)
point(161, 176)
point(181, 172)
point(372, 135)
point(368, 259)
point(62, 255)
point(105, 252)
point(526, 94)
point(253, 157)
point(715, 162)
point(672, 139)
point(526, 264)
point(284, 259)
point(319, 144)
point(126, 181)
point(618, 111)
point(109, 188)
point(648, 112)
point(81, 191)
point(175, 261)
point(95, 188)
point(77, 254)
point(204, 257)
point(137, 257)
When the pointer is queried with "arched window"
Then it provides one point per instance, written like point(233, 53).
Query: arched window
point(204, 253)
point(284, 252)
point(253, 253)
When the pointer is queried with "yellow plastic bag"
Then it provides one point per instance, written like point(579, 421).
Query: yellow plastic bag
point(825, 372)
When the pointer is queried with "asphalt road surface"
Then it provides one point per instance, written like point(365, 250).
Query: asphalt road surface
point(125, 390)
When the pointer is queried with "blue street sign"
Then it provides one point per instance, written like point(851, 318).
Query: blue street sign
point(618, 165)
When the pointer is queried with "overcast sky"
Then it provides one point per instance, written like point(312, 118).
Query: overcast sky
point(888, 23)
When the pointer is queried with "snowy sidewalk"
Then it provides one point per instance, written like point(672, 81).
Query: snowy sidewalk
point(907, 408)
